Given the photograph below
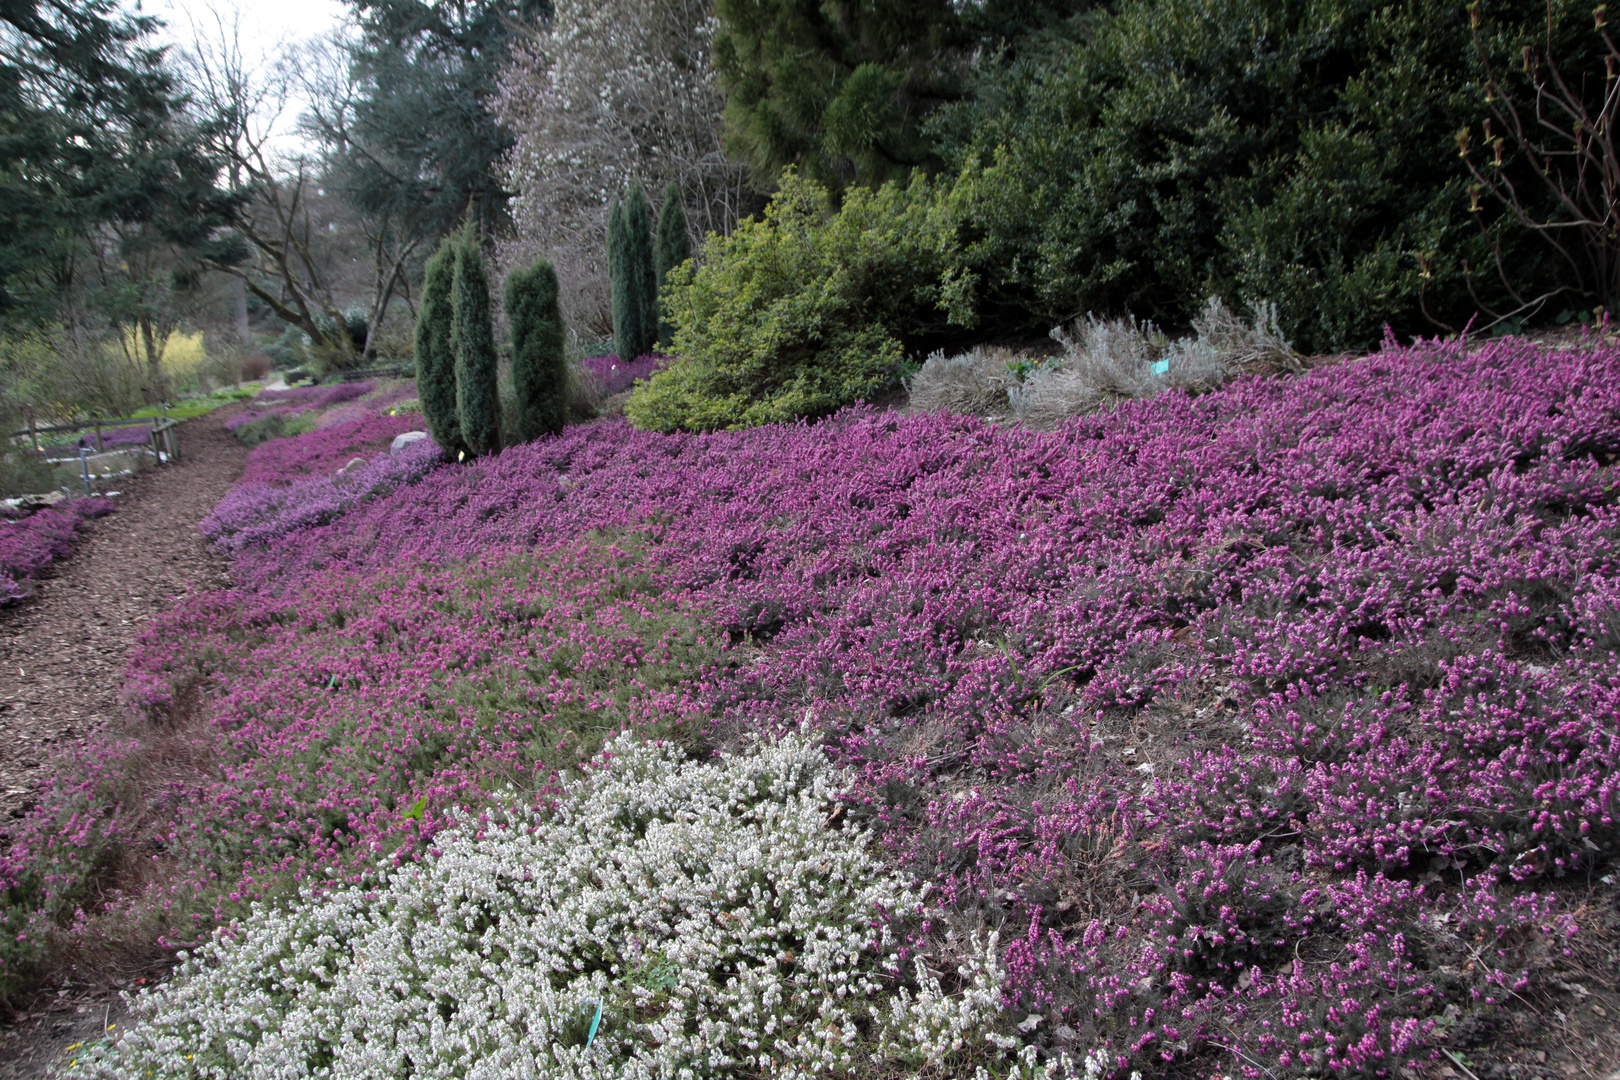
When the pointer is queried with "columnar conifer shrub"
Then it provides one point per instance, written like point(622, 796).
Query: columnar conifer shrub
point(804, 311)
point(665, 919)
point(472, 339)
point(635, 279)
point(674, 247)
point(435, 359)
point(539, 356)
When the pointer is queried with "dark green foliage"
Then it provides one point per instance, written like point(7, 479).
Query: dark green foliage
point(422, 144)
point(94, 134)
point(635, 279)
point(435, 359)
point(674, 247)
point(472, 340)
point(539, 359)
point(806, 311)
point(840, 89)
point(1298, 150)
point(287, 351)
point(837, 88)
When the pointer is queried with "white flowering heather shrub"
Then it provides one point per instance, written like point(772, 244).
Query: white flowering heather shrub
point(704, 912)
point(1108, 362)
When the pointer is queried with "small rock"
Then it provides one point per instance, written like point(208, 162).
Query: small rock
point(1067, 1034)
point(403, 440)
point(1030, 1023)
point(354, 465)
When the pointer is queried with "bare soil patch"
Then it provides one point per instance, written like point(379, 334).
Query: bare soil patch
point(62, 661)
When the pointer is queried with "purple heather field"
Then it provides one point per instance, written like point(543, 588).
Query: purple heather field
point(612, 375)
point(30, 544)
point(1268, 726)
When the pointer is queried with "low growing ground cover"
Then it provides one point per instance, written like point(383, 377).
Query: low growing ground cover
point(30, 544)
point(1275, 730)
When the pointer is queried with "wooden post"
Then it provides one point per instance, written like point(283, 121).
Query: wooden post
point(28, 411)
point(100, 447)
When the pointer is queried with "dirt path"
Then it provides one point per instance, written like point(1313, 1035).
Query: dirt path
point(62, 656)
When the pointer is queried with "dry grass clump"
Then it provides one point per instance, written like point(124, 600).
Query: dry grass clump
point(1106, 362)
point(975, 382)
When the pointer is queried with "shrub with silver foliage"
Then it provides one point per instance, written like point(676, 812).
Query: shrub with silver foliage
point(721, 927)
point(975, 382)
point(1107, 362)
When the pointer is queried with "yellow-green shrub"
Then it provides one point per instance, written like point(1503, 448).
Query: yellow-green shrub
point(806, 310)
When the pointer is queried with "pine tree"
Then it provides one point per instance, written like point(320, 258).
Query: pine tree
point(435, 360)
point(539, 363)
point(635, 281)
point(674, 247)
point(472, 339)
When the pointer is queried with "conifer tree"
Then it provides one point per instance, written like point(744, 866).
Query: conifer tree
point(472, 339)
point(435, 360)
point(674, 247)
point(539, 363)
point(635, 280)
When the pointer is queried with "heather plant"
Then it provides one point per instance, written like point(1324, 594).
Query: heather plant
point(635, 278)
point(30, 544)
point(610, 375)
point(435, 356)
point(324, 449)
point(472, 341)
point(540, 369)
point(1328, 661)
point(674, 247)
point(661, 918)
point(255, 427)
point(285, 492)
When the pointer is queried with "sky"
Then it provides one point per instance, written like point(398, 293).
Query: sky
point(265, 26)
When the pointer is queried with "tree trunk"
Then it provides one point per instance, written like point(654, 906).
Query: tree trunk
point(243, 331)
point(154, 360)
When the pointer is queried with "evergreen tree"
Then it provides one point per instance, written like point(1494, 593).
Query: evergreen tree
point(422, 144)
point(472, 339)
point(674, 247)
point(539, 363)
point(842, 88)
point(435, 360)
point(635, 280)
point(94, 135)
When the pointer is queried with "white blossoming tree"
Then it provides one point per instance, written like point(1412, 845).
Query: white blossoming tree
point(609, 95)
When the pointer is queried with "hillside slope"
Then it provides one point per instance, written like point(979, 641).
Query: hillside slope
point(1275, 729)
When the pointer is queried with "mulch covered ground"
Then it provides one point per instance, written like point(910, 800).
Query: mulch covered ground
point(62, 658)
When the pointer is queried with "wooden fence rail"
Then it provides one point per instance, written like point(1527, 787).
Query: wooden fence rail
point(164, 436)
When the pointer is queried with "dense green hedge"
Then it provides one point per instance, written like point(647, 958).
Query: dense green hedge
point(1297, 150)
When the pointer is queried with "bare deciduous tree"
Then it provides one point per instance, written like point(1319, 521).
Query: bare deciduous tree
point(289, 222)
